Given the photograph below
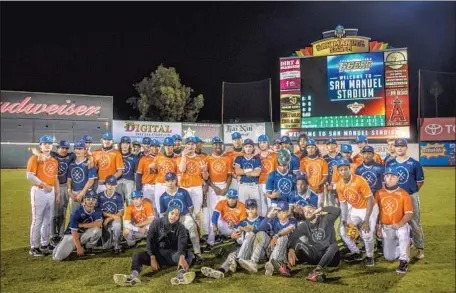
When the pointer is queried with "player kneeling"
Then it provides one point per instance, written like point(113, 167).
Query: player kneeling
point(245, 231)
point(138, 217)
point(84, 229)
point(396, 210)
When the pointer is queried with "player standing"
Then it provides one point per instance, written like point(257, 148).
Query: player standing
point(346, 152)
point(268, 164)
point(285, 143)
point(145, 178)
point(411, 179)
point(138, 217)
point(248, 167)
point(331, 157)
point(126, 183)
point(280, 182)
point(370, 170)
point(361, 141)
point(276, 146)
point(302, 144)
point(87, 140)
point(164, 163)
point(391, 151)
point(136, 148)
point(316, 168)
point(199, 147)
point(178, 148)
point(145, 144)
point(237, 151)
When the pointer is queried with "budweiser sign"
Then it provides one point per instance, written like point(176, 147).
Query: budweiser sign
point(438, 129)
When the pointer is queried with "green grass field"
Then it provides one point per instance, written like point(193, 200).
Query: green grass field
point(23, 273)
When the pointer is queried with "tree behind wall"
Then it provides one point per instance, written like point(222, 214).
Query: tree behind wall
point(162, 97)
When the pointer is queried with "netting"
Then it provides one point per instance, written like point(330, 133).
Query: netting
point(437, 94)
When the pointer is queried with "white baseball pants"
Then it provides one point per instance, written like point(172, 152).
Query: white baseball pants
point(42, 203)
point(212, 200)
point(89, 238)
point(149, 194)
point(125, 188)
point(265, 200)
point(196, 193)
point(396, 243)
point(160, 188)
point(250, 191)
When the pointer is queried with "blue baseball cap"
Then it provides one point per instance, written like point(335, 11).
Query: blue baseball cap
point(87, 138)
point(248, 141)
point(64, 144)
point(283, 206)
point(331, 140)
point(343, 162)
point(136, 142)
point(361, 138)
point(285, 139)
point(107, 136)
point(400, 142)
point(146, 140)
point(190, 139)
point(232, 193)
point(276, 141)
point(197, 139)
point(79, 144)
point(154, 142)
point(391, 170)
point(346, 148)
point(136, 194)
point(168, 141)
point(111, 180)
point(251, 203)
point(46, 139)
point(367, 149)
point(216, 139)
point(236, 135)
point(263, 138)
point(170, 176)
point(177, 137)
point(302, 176)
point(91, 194)
point(311, 142)
point(125, 139)
point(304, 203)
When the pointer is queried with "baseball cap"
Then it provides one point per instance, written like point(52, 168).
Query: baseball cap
point(282, 206)
point(168, 141)
point(302, 176)
point(107, 136)
point(285, 139)
point(361, 138)
point(311, 142)
point(367, 149)
point(111, 180)
point(197, 139)
point(125, 139)
point(346, 148)
point(87, 138)
point(249, 141)
point(46, 139)
point(304, 203)
point(263, 138)
point(64, 144)
point(154, 142)
point(146, 140)
point(136, 194)
point(331, 140)
point(391, 170)
point(343, 162)
point(251, 203)
point(190, 139)
point(284, 157)
point(276, 141)
point(400, 142)
point(232, 193)
point(136, 142)
point(79, 144)
point(170, 176)
point(216, 139)
point(236, 135)
point(90, 194)
point(177, 137)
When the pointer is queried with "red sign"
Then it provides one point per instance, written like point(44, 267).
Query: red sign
point(290, 74)
point(350, 133)
point(397, 107)
point(438, 129)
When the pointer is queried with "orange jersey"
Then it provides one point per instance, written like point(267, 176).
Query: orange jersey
point(234, 154)
point(235, 215)
point(107, 162)
point(393, 205)
point(268, 164)
point(316, 169)
point(148, 177)
point(336, 177)
point(358, 159)
point(192, 175)
point(203, 155)
point(137, 216)
point(44, 171)
point(219, 167)
point(354, 192)
point(164, 165)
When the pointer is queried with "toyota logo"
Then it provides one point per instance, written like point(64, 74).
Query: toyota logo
point(433, 129)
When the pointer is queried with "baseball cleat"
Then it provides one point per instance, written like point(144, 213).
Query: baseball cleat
point(402, 268)
point(208, 248)
point(248, 265)
point(284, 271)
point(269, 269)
point(35, 252)
point(370, 262)
point(183, 278)
point(233, 265)
point(126, 281)
point(199, 259)
point(316, 276)
point(55, 240)
point(353, 257)
point(419, 254)
point(46, 250)
point(211, 273)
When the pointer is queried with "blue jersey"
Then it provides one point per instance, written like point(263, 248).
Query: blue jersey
point(410, 173)
point(130, 165)
point(285, 183)
point(373, 175)
point(254, 223)
point(274, 225)
point(309, 197)
point(180, 200)
point(388, 158)
point(253, 163)
point(293, 166)
point(81, 216)
point(64, 163)
point(110, 204)
point(80, 173)
point(331, 164)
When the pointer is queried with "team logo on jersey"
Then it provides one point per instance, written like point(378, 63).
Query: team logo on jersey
point(77, 175)
point(314, 171)
point(176, 204)
point(104, 161)
point(140, 216)
point(370, 178)
point(166, 166)
point(389, 205)
point(63, 167)
point(284, 185)
point(192, 168)
point(403, 174)
point(247, 165)
point(218, 167)
point(230, 217)
point(352, 196)
point(110, 207)
point(266, 166)
point(49, 169)
point(127, 167)
point(318, 235)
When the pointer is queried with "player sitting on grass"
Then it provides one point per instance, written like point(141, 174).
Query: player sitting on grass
point(278, 224)
point(138, 217)
point(396, 210)
point(112, 206)
point(83, 229)
point(314, 241)
point(166, 246)
point(302, 196)
point(246, 231)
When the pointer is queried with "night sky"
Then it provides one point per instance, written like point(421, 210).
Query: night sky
point(105, 47)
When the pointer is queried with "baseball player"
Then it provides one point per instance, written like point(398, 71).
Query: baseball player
point(166, 246)
point(145, 144)
point(273, 237)
point(199, 147)
point(233, 154)
point(193, 171)
point(314, 241)
point(146, 176)
point(248, 167)
point(391, 151)
point(164, 164)
point(411, 179)
point(316, 168)
point(276, 146)
point(45, 191)
point(126, 183)
point(245, 230)
point(112, 207)
point(331, 157)
point(346, 152)
point(396, 210)
point(281, 183)
point(370, 170)
point(302, 144)
point(302, 196)
point(108, 161)
point(268, 164)
point(285, 143)
point(354, 189)
point(220, 169)
point(362, 141)
point(178, 148)
point(136, 148)
point(80, 176)
point(227, 214)
point(83, 231)
point(87, 140)
point(138, 217)
point(179, 198)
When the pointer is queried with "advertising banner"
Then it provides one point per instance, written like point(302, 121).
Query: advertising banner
point(290, 110)
point(396, 69)
point(397, 107)
point(290, 74)
point(205, 131)
point(438, 129)
point(350, 133)
point(437, 153)
point(340, 45)
point(248, 130)
point(136, 130)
